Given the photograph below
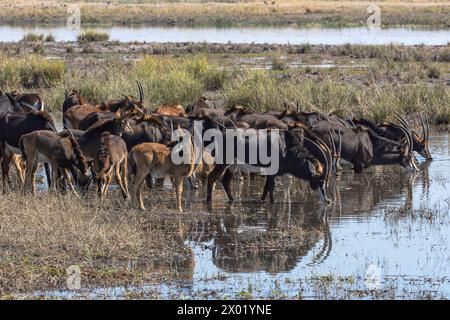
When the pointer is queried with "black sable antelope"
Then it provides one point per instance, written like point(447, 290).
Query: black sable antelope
point(245, 118)
point(13, 126)
point(300, 156)
point(363, 147)
point(388, 130)
point(63, 153)
point(146, 128)
point(14, 102)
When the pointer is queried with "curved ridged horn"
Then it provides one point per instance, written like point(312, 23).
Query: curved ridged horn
point(333, 146)
point(340, 144)
point(344, 123)
point(405, 125)
point(321, 151)
point(26, 104)
point(422, 122)
point(350, 121)
point(71, 134)
point(406, 133)
point(52, 127)
point(326, 151)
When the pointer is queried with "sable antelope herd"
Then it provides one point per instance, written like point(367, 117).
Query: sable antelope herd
point(123, 139)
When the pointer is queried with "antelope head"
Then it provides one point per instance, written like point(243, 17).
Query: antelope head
point(320, 167)
point(122, 122)
point(421, 142)
point(132, 104)
point(407, 158)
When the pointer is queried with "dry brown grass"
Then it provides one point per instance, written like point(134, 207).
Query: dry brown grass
point(41, 236)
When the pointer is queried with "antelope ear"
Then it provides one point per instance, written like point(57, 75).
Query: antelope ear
point(118, 114)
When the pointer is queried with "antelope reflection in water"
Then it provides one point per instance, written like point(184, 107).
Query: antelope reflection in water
point(251, 237)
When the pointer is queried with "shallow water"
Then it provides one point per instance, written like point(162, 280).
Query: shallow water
point(282, 35)
point(386, 235)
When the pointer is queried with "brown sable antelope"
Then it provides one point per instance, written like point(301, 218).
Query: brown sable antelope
point(363, 147)
point(387, 130)
point(73, 116)
point(13, 126)
point(63, 154)
point(156, 159)
point(200, 109)
point(201, 103)
point(170, 110)
point(72, 100)
point(111, 159)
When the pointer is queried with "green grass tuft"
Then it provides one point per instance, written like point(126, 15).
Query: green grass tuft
point(92, 35)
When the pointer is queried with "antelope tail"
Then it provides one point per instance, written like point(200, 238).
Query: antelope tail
point(132, 168)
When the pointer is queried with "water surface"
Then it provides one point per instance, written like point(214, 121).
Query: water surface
point(275, 35)
point(386, 235)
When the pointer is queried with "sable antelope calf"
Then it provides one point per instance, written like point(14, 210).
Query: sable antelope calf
point(111, 158)
point(73, 116)
point(63, 153)
point(13, 126)
point(170, 110)
point(156, 159)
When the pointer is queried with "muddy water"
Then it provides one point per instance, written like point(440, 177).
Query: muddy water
point(385, 236)
point(282, 35)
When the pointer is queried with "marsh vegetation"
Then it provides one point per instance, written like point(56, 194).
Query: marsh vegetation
point(229, 13)
point(360, 80)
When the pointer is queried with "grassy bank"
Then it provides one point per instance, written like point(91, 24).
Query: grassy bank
point(230, 13)
point(112, 245)
point(369, 81)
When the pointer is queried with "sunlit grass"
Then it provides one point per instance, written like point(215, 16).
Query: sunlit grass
point(92, 35)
